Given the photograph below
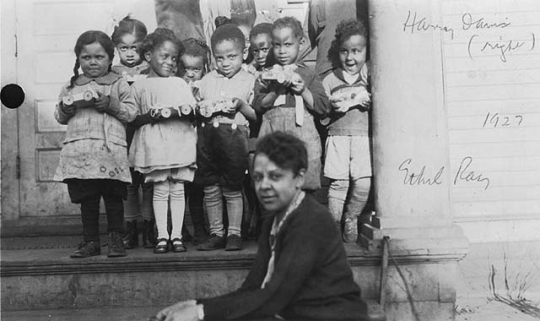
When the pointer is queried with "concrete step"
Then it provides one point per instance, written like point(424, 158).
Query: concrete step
point(118, 314)
point(45, 279)
point(94, 314)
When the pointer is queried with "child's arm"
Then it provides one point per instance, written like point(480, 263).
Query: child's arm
point(121, 103)
point(244, 108)
point(314, 94)
point(266, 94)
point(63, 113)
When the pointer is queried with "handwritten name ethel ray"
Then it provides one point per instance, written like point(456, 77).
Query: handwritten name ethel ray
point(413, 176)
point(474, 26)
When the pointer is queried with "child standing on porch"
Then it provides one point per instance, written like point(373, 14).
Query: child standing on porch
point(292, 104)
point(164, 149)
point(222, 150)
point(193, 65)
point(348, 156)
point(127, 37)
point(93, 161)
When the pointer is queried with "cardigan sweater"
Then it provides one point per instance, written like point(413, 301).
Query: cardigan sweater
point(312, 279)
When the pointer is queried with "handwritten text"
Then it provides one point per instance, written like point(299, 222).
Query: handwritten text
point(464, 174)
point(419, 178)
point(421, 25)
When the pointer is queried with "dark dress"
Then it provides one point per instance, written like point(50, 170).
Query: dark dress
point(312, 279)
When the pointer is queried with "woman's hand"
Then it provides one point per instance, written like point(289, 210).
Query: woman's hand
point(181, 311)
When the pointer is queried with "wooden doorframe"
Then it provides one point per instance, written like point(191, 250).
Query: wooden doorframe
point(9, 140)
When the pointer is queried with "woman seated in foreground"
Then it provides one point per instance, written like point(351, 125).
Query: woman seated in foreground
point(300, 270)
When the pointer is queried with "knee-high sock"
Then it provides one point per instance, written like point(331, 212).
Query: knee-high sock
point(337, 194)
point(235, 205)
point(358, 197)
point(178, 207)
point(161, 205)
point(214, 208)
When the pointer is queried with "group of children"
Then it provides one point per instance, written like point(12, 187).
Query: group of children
point(177, 120)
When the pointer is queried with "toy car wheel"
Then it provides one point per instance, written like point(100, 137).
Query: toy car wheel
point(185, 109)
point(67, 100)
point(166, 113)
point(206, 113)
point(88, 95)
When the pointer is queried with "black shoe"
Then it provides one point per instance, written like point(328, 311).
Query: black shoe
point(213, 243)
point(234, 243)
point(86, 249)
point(131, 237)
point(149, 234)
point(116, 245)
point(162, 246)
point(178, 246)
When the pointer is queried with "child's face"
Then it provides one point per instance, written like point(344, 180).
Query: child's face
point(94, 60)
point(128, 50)
point(260, 46)
point(163, 60)
point(352, 54)
point(285, 45)
point(245, 30)
point(192, 68)
point(229, 57)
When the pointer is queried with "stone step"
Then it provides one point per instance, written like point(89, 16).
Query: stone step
point(48, 279)
point(119, 314)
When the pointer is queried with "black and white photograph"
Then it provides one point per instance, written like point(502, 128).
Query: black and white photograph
point(258, 160)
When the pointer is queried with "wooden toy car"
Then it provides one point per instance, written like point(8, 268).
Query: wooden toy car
point(85, 96)
point(167, 112)
point(207, 108)
point(280, 73)
point(349, 97)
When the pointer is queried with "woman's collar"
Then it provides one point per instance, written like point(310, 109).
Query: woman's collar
point(298, 198)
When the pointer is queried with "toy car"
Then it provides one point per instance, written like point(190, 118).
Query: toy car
point(280, 73)
point(349, 97)
point(85, 96)
point(207, 108)
point(167, 112)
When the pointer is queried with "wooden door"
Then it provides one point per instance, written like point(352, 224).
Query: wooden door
point(46, 33)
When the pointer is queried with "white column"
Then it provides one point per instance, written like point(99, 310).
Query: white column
point(411, 163)
point(410, 137)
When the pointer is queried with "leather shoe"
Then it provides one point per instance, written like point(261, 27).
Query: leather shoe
point(178, 246)
point(162, 246)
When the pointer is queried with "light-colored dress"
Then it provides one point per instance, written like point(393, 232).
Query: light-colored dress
point(95, 145)
point(165, 149)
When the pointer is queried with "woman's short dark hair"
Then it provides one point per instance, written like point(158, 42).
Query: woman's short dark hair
point(285, 150)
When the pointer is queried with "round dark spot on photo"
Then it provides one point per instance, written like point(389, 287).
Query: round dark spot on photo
point(12, 96)
point(103, 169)
point(112, 174)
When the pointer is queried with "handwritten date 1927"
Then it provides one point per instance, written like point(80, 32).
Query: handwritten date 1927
point(496, 120)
